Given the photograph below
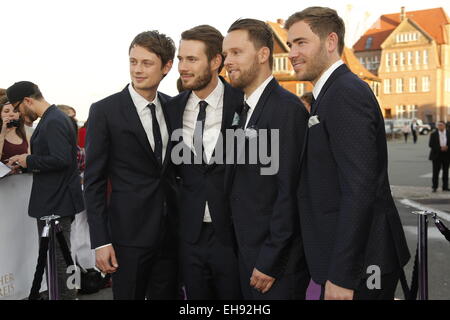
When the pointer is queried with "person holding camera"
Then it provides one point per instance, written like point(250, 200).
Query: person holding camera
point(13, 139)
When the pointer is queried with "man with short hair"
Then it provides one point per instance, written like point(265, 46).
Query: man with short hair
point(127, 143)
point(204, 111)
point(440, 155)
point(263, 206)
point(348, 217)
point(53, 161)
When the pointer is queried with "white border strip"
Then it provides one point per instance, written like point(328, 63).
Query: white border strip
point(410, 203)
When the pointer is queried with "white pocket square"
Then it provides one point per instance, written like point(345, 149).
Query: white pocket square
point(313, 120)
point(235, 120)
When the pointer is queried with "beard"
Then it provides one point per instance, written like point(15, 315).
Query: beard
point(316, 66)
point(200, 82)
point(247, 76)
point(29, 115)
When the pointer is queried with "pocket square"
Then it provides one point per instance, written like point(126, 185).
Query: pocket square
point(313, 120)
point(235, 120)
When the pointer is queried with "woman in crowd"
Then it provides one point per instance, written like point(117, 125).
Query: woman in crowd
point(13, 139)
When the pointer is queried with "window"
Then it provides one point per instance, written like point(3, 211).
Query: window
point(417, 57)
point(399, 85)
point(402, 58)
point(300, 89)
point(409, 58)
point(368, 43)
point(387, 85)
point(400, 112)
point(388, 61)
point(425, 56)
point(394, 59)
point(412, 85)
point(425, 84)
point(280, 64)
point(412, 111)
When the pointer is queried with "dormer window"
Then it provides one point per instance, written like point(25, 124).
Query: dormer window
point(369, 43)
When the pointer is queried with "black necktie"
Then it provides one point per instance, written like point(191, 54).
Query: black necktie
point(156, 134)
point(200, 128)
point(243, 116)
point(313, 101)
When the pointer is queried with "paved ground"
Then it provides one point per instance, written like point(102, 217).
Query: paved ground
point(410, 177)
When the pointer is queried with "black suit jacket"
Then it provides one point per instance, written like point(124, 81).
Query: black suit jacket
point(263, 207)
point(435, 146)
point(53, 161)
point(117, 148)
point(204, 182)
point(348, 217)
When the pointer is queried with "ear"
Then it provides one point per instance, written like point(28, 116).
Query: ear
point(332, 43)
point(167, 67)
point(216, 62)
point(263, 55)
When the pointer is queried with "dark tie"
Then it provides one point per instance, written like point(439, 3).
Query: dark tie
point(156, 134)
point(243, 116)
point(200, 128)
point(313, 101)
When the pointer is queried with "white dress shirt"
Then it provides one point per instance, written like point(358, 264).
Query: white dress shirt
point(324, 77)
point(253, 99)
point(443, 138)
point(146, 118)
point(213, 124)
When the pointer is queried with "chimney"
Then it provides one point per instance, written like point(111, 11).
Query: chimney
point(402, 14)
point(281, 22)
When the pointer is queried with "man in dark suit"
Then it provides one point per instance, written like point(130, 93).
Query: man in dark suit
point(128, 143)
point(204, 111)
point(53, 161)
point(440, 155)
point(348, 217)
point(263, 205)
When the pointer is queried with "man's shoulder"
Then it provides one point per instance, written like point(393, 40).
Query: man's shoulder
point(179, 98)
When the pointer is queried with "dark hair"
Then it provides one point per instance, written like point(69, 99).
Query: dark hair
point(158, 43)
point(210, 36)
point(322, 22)
point(20, 131)
point(258, 32)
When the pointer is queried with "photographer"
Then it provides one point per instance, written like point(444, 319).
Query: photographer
point(13, 139)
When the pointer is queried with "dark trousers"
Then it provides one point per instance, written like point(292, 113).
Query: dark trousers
point(61, 267)
point(414, 134)
point(388, 285)
point(439, 163)
point(210, 268)
point(290, 286)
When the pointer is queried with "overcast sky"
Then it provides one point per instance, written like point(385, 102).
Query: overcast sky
point(77, 51)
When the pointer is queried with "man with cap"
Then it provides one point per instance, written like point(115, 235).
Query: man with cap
point(56, 185)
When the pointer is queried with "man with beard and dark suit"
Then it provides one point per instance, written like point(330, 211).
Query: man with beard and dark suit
point(128, 143)
point(262, 200)
point(440, 155)
point(203, 112)
point(349, 221)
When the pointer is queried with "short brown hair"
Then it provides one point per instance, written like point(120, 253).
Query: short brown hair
point(158, 43)
point(210, 36)
point(322, 21)
point(258, 32)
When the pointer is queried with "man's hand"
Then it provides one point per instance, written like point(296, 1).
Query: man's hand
point(444, 148)
point(334, 292)
point(18, 161)
point(261, 281)
point(105, 259)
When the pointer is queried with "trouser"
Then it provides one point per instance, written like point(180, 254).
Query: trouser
point(210, 268)
point(61, 268)
point(406, 137)
point(388, 285)
point(437, 165)
point(414, 133)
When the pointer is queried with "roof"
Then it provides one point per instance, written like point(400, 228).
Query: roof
point(347, 56)
point(430, 20)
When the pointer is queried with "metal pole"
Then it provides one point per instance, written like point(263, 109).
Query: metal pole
point(423, 256)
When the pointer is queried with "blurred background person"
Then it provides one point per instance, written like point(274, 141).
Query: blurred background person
point(440, 155)
point(13, 137)
point(406, 129)
point(414, 129)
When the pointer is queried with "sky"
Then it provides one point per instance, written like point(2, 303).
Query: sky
point(77, 51)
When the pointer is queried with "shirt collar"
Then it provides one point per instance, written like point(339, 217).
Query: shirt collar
point(253, 99)
point(214, 97)
point(139, 101)
point(323, 79)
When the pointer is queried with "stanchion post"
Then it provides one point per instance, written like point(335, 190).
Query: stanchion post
point(52, 272)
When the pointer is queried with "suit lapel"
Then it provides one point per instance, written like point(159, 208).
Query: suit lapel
point(163, 100)
point(134, 123)
point(342, 69)
point(262, 102)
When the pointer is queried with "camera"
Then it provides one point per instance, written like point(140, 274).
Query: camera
point(13, 123)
